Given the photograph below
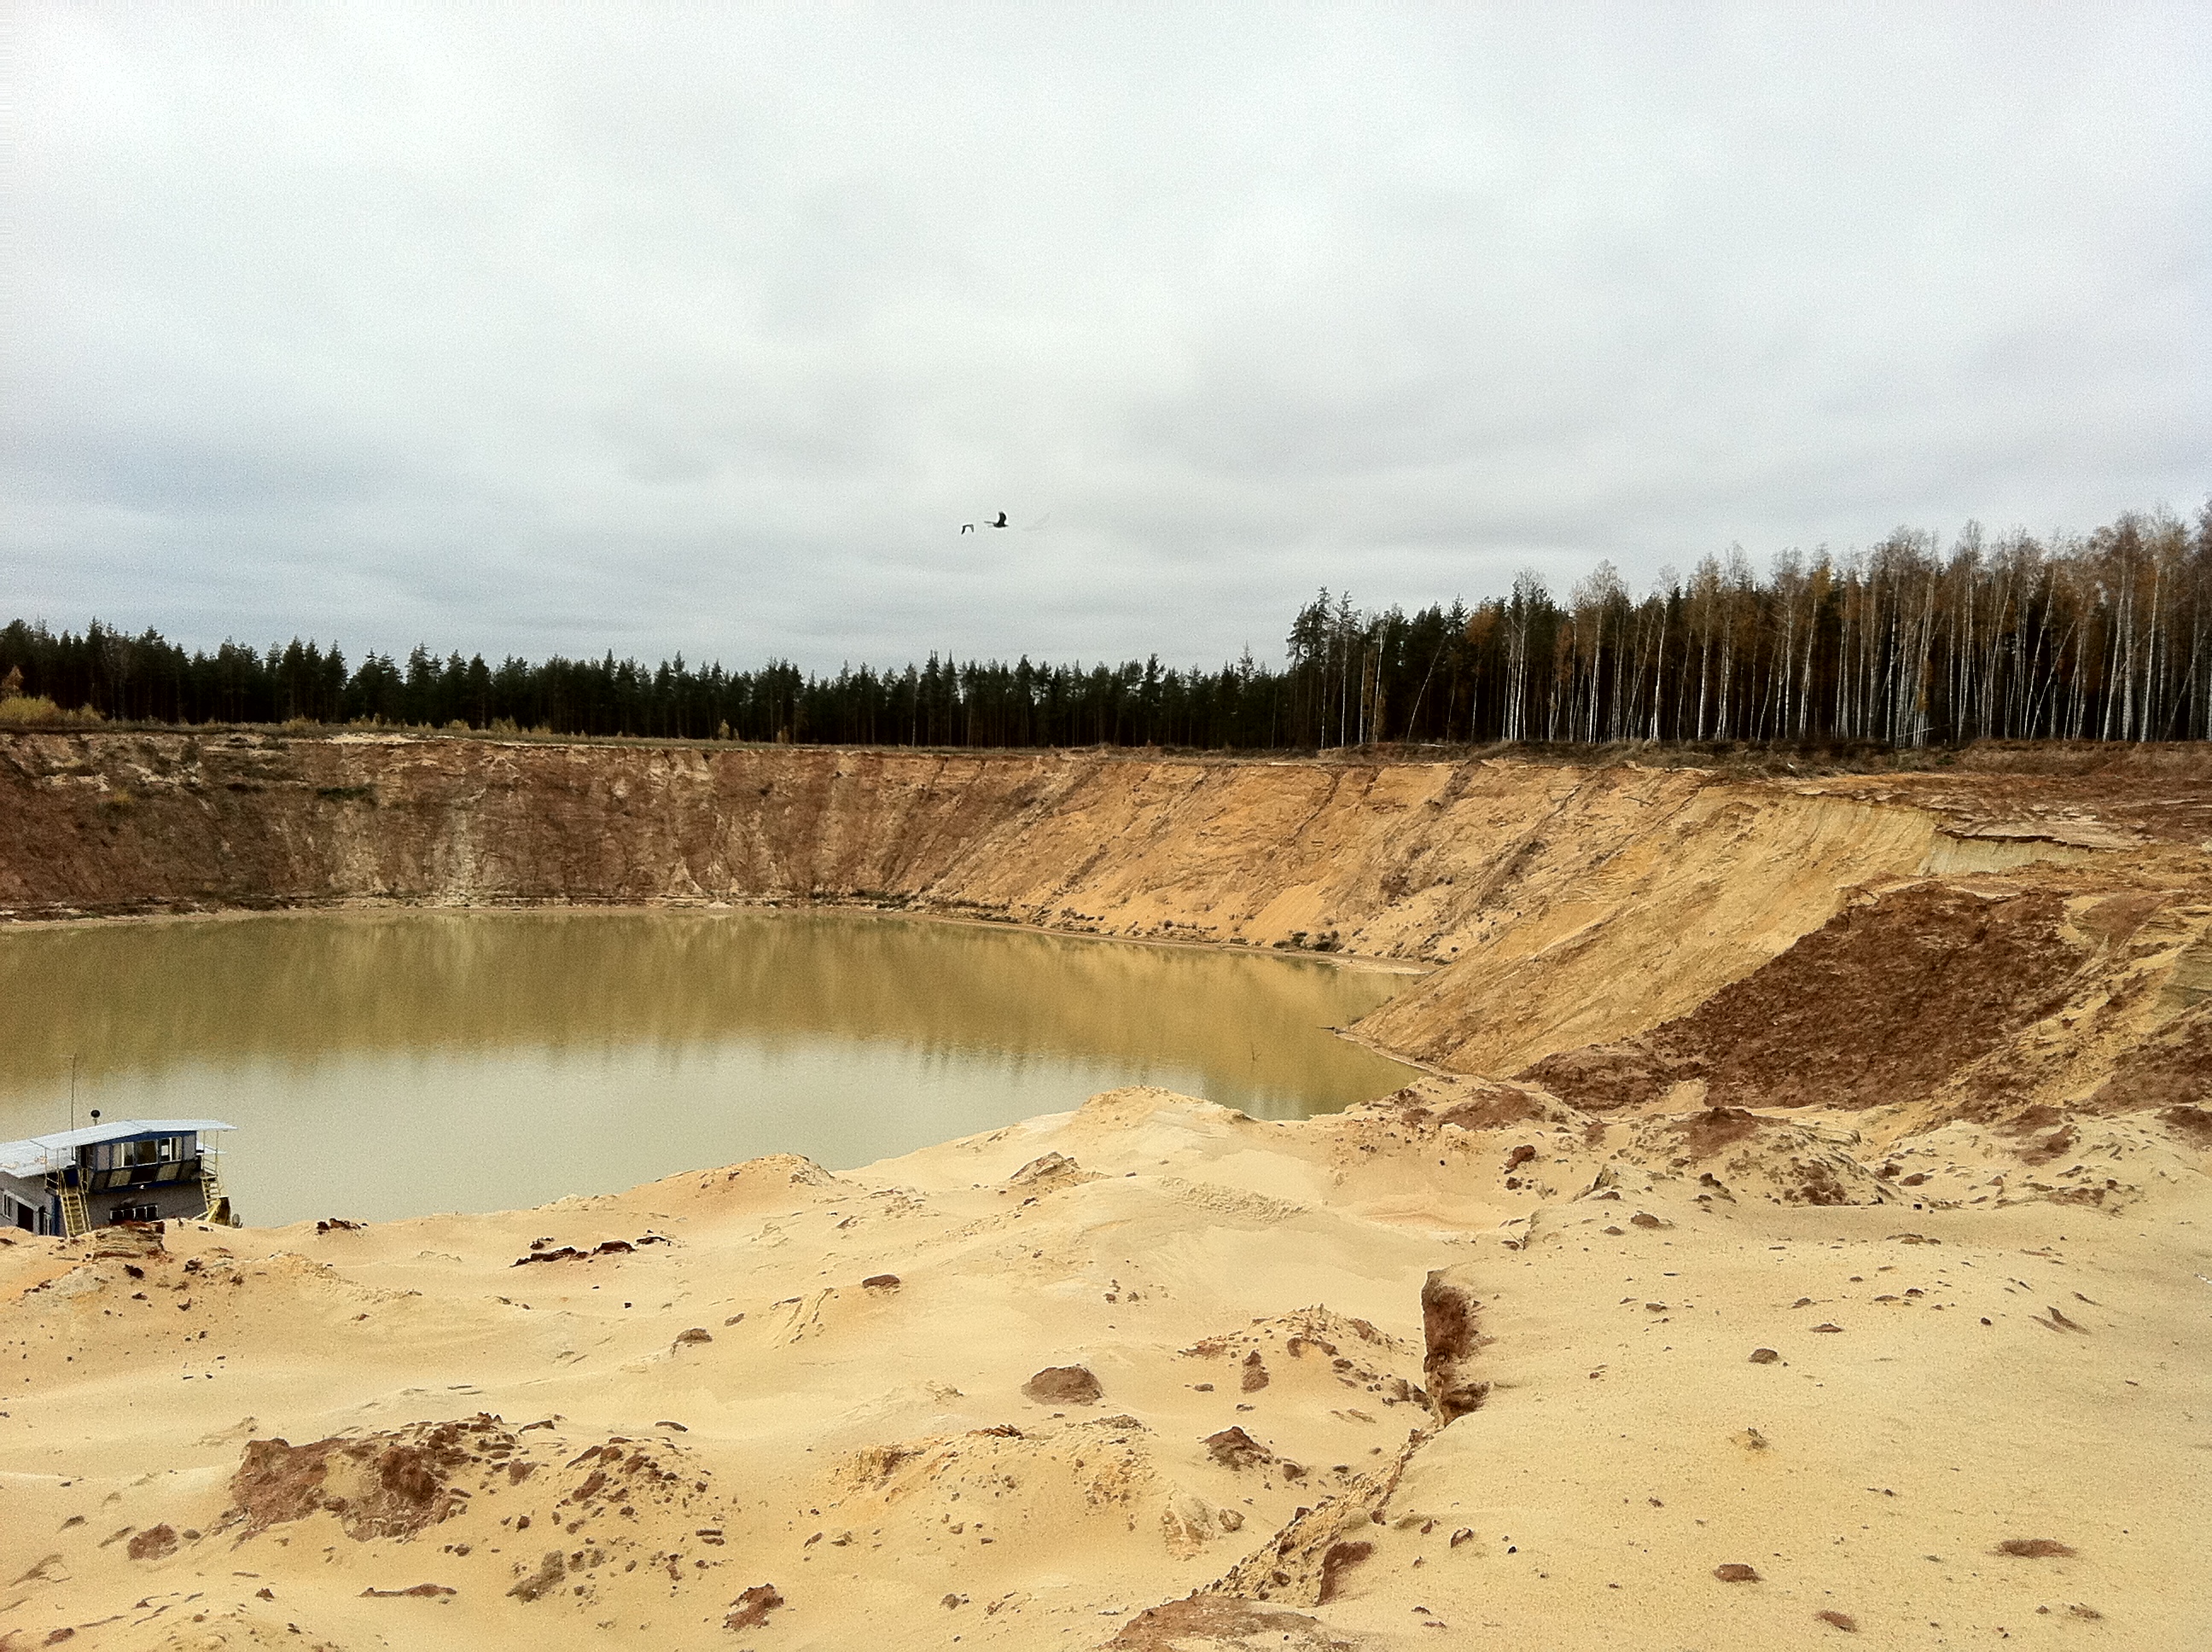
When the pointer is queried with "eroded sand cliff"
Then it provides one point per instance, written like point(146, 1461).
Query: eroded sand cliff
point(1808, 1238)
point(1564, 907)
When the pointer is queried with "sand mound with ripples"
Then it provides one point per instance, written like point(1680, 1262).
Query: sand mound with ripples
point(1176, 1390)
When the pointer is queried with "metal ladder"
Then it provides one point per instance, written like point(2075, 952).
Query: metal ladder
point(77, 1220)
point(217, 1209)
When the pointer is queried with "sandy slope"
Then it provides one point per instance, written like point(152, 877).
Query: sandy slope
point(2021, 1356)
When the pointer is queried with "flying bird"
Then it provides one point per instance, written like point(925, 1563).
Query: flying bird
point(970, 527)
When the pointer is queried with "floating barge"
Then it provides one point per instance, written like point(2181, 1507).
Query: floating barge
point(124, 1170)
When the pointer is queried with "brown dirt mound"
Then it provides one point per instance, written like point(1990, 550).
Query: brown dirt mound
point(2159, 791)
point(1232, 1448)
point(1063, 1385)
point(1705, 1133)
point(550, 1571)
point(1051, 1170)
point(1493, 1106)
point(1883, 1003)
point(136, 1240)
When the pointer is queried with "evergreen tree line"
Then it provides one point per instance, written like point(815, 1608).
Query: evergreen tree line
point(2106, 636)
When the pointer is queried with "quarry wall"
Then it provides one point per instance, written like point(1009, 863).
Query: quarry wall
point(1625, 929)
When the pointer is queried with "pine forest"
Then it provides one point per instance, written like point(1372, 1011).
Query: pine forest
point(2105, 637)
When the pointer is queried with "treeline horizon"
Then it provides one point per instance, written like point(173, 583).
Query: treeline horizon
point(2106, 636)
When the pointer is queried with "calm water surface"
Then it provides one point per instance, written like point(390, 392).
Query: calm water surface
point(391, 1065)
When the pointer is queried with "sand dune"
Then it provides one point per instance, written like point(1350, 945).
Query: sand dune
point(768, 1406)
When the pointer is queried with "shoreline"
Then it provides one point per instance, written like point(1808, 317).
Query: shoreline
point(372, 905)
point(396, 906)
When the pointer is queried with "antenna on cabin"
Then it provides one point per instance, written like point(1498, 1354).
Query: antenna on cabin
point(72, 1092)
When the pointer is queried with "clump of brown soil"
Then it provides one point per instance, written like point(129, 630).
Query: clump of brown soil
point(1605, 1077)
point(1232, 1448)
point(2035, 1548)
point(155, 1543)
point(2089, 791)
point(1429, 1104)
point(1051, 1170)
point(1063, 1385)
point(2052, 1145)
point(1337, 1559)
point(750, 1609)
point(390, 1484)
point(136, 1240)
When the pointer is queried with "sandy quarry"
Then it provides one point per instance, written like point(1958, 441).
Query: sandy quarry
point(1812, 1238)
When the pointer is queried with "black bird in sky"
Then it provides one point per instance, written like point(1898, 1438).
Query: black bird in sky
point(970, 527)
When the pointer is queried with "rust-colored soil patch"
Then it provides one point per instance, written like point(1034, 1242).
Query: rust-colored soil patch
point(1890, 998)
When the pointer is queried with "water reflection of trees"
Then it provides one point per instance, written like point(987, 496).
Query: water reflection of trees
point(144, 998)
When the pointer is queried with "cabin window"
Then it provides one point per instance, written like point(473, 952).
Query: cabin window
point(172, 1148)
point(143, 1152)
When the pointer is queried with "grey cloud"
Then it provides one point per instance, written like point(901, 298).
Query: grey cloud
point(705, 328)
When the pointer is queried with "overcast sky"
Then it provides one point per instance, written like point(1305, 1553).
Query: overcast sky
point(539, 329)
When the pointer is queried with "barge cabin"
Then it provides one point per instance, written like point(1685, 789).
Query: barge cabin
point(125, 1170)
